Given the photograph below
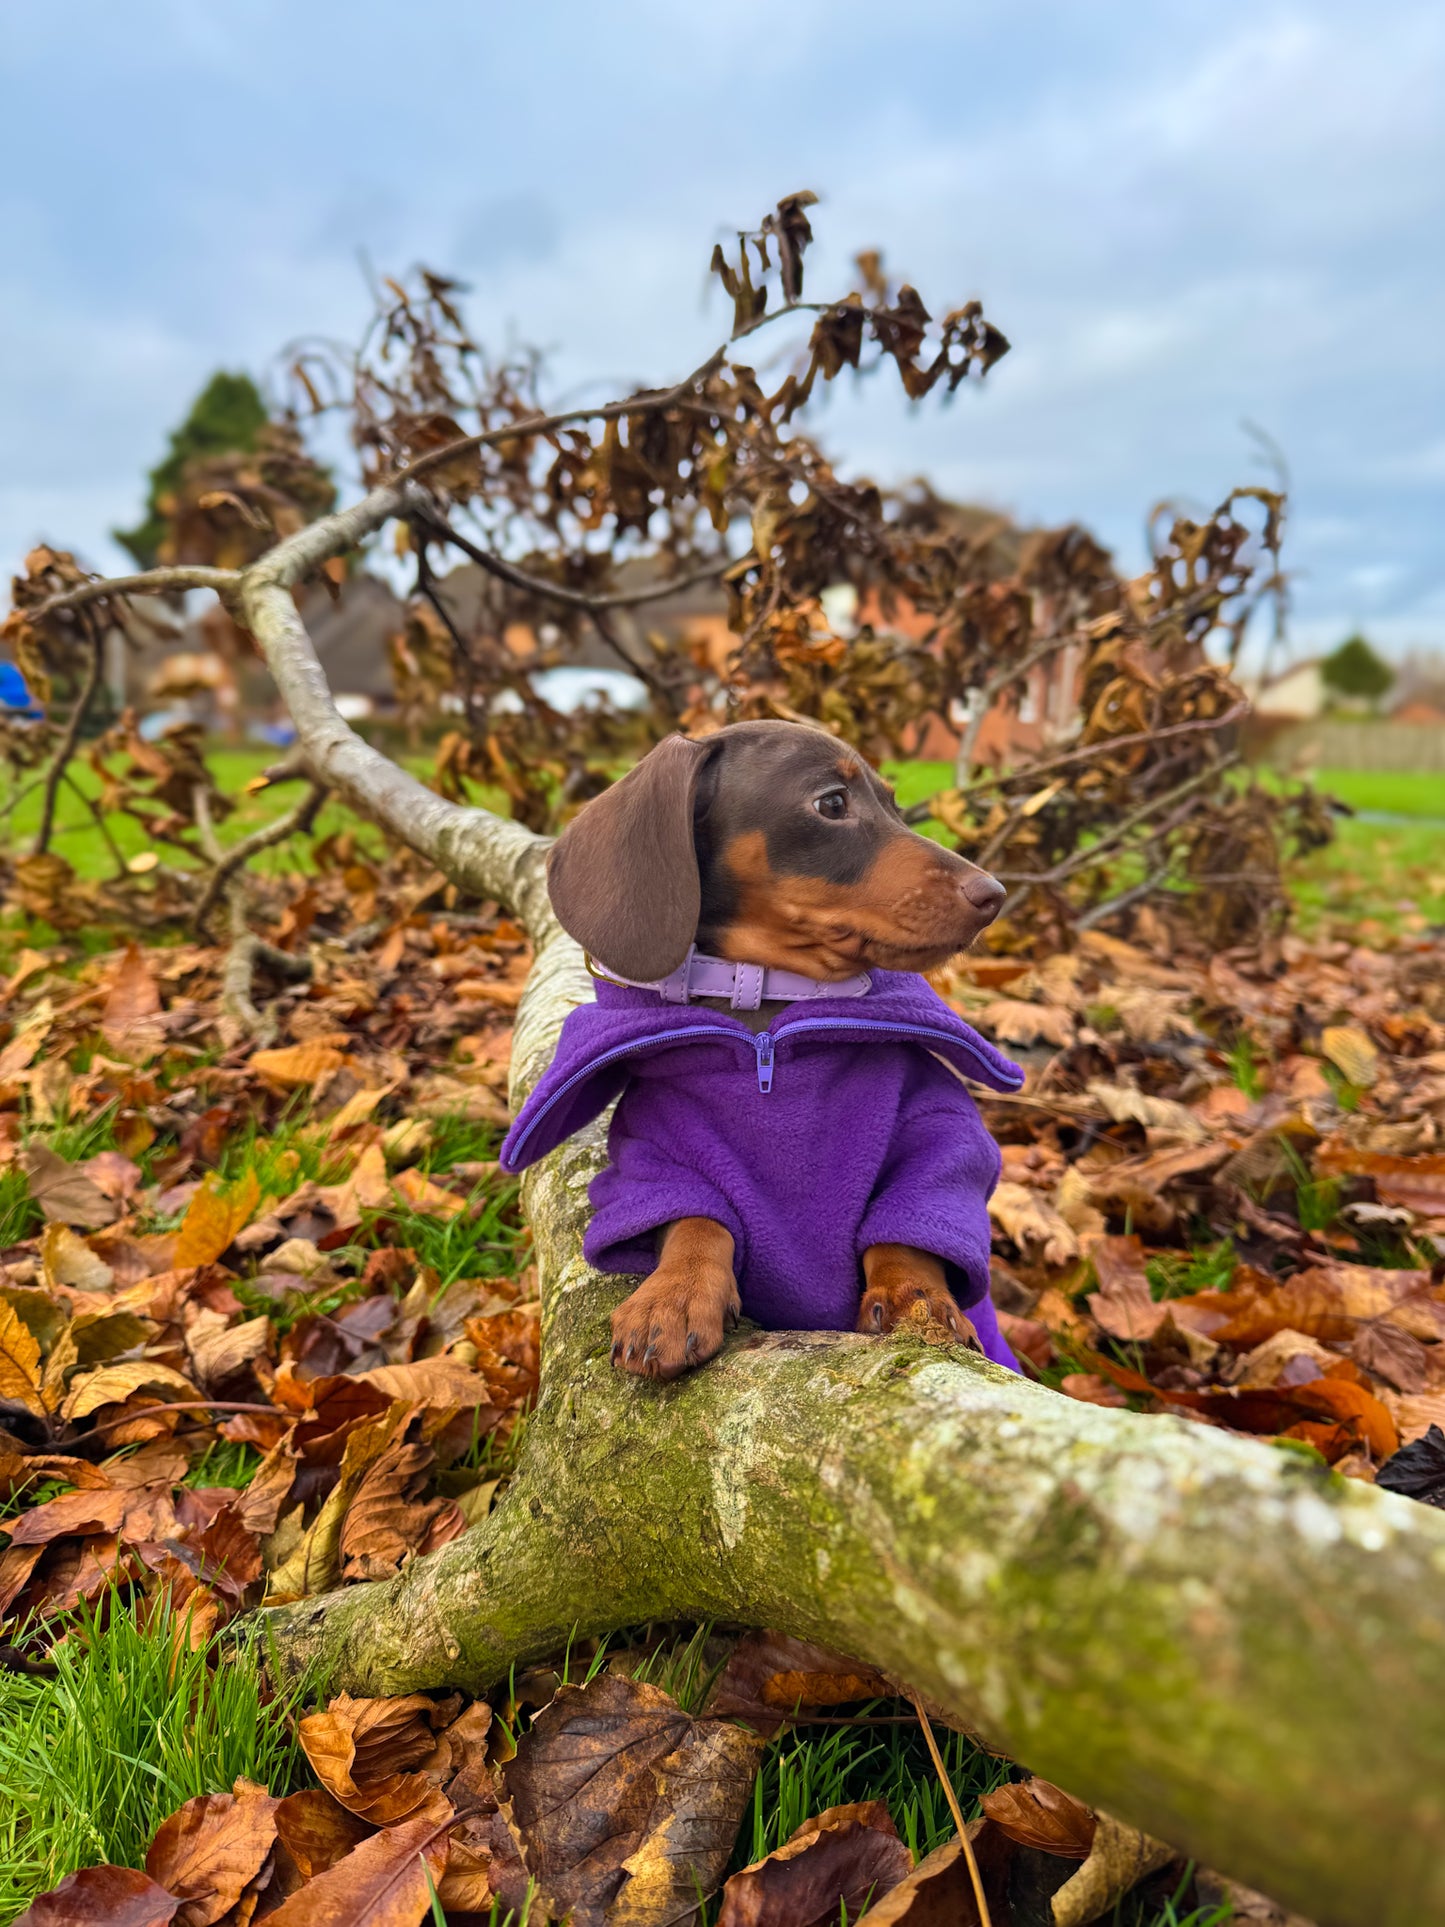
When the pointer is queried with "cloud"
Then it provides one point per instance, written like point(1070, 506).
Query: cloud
point(1215, 211)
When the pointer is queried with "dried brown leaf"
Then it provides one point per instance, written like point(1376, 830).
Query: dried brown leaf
point(102, 1897)
point(846, 1857)
point(1118, 1860)
point(66, 1259)
point(316, 1831)
point(113, 1384)
point(19, 1362)
point(213, 1218)
point(769, 1677)
point(132, 1006)
point(362, 1752)
point(63, 1191)
point(1035, 1813)
point(381, 1883)
point(297, 1066)
point(210, 1850)
point(387, 1520)
point(615, 1771)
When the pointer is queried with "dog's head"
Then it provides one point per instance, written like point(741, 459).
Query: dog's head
point(768, 843)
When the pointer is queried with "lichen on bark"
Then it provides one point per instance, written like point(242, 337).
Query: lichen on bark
point(1236, 1652)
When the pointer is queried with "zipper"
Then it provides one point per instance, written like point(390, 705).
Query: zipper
point(887, 1030)
point(763, 1045)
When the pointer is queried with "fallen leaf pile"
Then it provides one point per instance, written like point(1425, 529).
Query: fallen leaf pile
point(236, 1284)
point(267, 1326)
point(1223, 1188)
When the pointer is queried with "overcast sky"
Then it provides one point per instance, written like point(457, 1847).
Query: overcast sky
point(1185, 215)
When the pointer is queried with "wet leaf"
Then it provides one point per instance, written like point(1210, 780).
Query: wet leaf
point(846, 1857)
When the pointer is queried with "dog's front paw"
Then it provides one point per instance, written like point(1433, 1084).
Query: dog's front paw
point(675, 1321)
point(907, 1289)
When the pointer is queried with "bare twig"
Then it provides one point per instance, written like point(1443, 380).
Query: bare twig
point(247, 949)
point(557, 592)
point(976, 1879)
point(1103, 747)
point(1086, 857)
point(150, 582)
point(98, 815)
point(66, 747)
point(644, 404)
point(994, 688)
point(1126, 897)
point(296, 821)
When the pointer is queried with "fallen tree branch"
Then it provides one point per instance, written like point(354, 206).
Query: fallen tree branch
point(1241, 1653)
point(166, 581)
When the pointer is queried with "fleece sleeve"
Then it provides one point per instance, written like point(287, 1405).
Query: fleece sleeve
point(933, 1192)
point(643, 1188)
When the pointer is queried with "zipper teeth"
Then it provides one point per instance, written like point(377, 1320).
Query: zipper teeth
point(743, 1036)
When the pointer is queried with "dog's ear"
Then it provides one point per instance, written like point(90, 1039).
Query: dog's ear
point(623, 875)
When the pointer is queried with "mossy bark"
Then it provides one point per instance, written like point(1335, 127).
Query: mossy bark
point(1240, 1653)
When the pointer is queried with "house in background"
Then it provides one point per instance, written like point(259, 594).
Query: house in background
point(1296, 694)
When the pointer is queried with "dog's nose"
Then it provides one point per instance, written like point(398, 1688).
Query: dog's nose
point(985, 893)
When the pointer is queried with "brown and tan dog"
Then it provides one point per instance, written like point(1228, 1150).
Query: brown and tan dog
point(767, 843)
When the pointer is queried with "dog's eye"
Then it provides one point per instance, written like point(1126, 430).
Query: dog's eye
point(833, 804)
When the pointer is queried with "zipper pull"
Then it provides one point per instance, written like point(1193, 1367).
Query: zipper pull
point(763, 1044)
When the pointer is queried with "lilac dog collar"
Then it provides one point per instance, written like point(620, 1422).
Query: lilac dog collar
point(745, 985)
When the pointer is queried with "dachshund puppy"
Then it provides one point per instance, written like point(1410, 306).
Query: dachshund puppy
point(793, 1140)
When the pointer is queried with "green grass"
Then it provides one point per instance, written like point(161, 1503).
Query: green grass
point(1396, 792)
point(224, 1462)
point(79, 840)
point(130, 1728)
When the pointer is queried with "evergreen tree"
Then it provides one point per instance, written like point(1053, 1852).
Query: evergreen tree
point(1355, 670)
point(225, 418)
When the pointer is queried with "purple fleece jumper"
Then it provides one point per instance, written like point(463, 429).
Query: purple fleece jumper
point(834, 1129)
